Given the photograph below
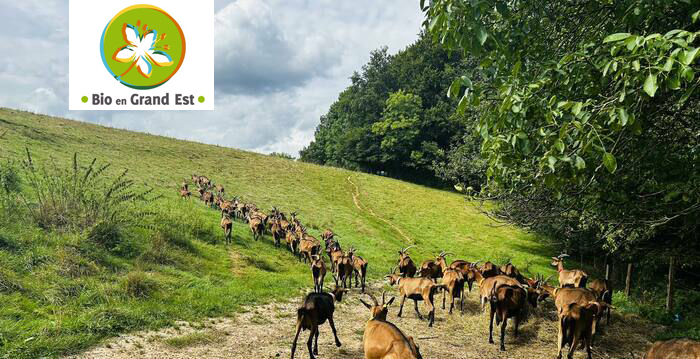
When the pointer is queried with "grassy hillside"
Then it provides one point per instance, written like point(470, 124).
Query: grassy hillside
point(62, 292)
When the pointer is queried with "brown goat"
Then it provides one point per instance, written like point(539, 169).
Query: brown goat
point(466, 268)
point(308, 246)
point(406, 266)
point(563, 297)
point(384, 340)
point(345, 267)
point(327, 235)
point(227, 225)
point(486, 285)
point(454, 285)
point(507, 301)
point(674, 349)
point(208, 198)
point(184, 193)
point(334, 253)
point(292, 241)
point(256, 226)
point(359, 266)
point(569, 277)
point(513, 272)
point(278, 232)
point(577, 325)
point(489, 269)
point(316, 309)
point(416, 289)
point(318, 272)
point(433, 268)
point(220, 189)
point(602, 290)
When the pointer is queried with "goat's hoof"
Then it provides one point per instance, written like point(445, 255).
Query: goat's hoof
point(503, 348)
point(337, 343)
point(490, 341)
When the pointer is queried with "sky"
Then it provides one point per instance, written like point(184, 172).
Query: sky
point(279, 65)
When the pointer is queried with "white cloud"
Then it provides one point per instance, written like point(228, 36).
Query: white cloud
point(279, 66)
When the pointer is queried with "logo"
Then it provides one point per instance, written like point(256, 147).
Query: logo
point(142, 47)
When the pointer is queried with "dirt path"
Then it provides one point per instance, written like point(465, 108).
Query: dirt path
point(358, 204)
point(267, 331)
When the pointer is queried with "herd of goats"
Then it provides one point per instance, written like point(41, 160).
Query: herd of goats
point(580, 303)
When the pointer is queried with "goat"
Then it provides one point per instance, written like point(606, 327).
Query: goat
point(227, 225)
point(278, 232)
point(382, 339)
point(507, 301)
point(316, 309)
point(454, 284)
point(419, 288)
point(486, 285)
point(208, 198)
point(569, 277)
point(576, 324)
point(256, 226)
point(292, 241)
point(308, 246)
point(184, 193)
point(327, 235)
point(334, 253)
point(406, 266)
point(513, 272)
point(602, 290)
point(345, 268)
point(563, 297)
point(674, 349)
point(433, 268)
point(488, 269)
point(359, 265)
point(219, 189)
point(318, 271)
point(466, 268)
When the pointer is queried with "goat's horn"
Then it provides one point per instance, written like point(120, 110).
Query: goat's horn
point(475, 264)
point(383, 297)
point(373, 298)
point(563, 255)
point(446, 253)
point(405, 249)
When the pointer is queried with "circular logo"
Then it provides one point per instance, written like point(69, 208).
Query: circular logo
point(142, 47)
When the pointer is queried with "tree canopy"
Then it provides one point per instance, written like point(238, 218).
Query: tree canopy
point(588, 115)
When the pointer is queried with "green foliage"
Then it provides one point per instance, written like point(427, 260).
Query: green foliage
point(80, 198)
point(581, 114)
point(282, 155)
point(394, 118)
point(139, 284)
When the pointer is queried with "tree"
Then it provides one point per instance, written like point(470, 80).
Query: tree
point(591, 126)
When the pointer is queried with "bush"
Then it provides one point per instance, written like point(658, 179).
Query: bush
point(282, 155)
point(138, 284)
point(83, 197)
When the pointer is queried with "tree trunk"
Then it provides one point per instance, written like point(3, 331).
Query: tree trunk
point(669, 288)
point(607, 268)
point(628, 280)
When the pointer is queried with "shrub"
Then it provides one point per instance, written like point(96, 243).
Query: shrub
point(138, 284)
point(282, 155)
point(83, 198)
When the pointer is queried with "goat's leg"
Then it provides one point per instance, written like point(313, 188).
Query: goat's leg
point(452, 303)
point(572, 346)
point(403, 299)
point(491, 313)
point(294, 343)
point(316, 341)
point(415, 305)
point(335, 333)
point(560, 341)
point(444, 293)
point(503, 334)
point(309, 343)
point(588, 348)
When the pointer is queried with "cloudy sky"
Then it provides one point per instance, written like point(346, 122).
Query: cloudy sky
point(279, 66)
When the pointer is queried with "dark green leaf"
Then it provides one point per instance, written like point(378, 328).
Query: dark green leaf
point(616, 37)
point(610, 162)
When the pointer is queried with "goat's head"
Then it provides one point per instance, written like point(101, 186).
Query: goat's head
point(393, 277)
point(404, 252)
point(378, 311)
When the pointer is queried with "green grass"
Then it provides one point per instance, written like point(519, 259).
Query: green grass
point(62, 293)
point(193, 339)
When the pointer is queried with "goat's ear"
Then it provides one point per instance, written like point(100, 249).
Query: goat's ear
point(366, 304)
point(390, 301)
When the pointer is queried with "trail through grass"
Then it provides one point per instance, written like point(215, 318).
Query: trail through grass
point(62, 293)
